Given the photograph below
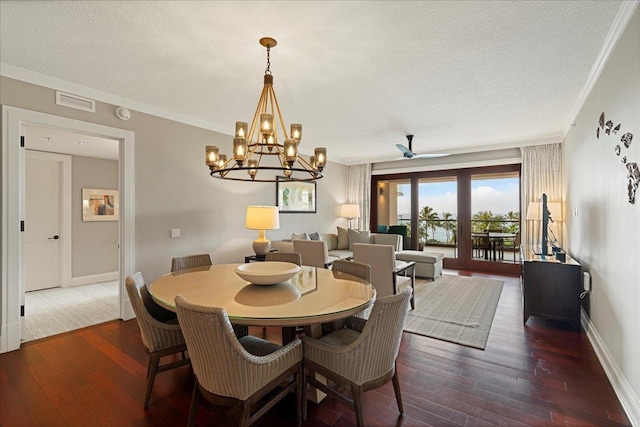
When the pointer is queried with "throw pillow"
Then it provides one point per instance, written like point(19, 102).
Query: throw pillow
point(343, 238)
point(303, 236)
point(314, 236)
point(356, 236)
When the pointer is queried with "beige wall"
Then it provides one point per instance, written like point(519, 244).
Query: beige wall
point(94, 248)
point(174, 190)
point(603, 228)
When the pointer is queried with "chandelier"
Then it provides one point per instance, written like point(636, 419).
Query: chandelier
point(251, 156)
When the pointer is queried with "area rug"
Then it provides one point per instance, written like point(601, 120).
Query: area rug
point(456, 309)
point(53, 311)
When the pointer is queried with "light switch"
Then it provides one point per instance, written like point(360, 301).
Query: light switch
point(175, 232)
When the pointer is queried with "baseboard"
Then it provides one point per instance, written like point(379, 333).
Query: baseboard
point(94, 278)
point(629, 400)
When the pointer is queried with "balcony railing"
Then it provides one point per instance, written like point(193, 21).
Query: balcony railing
point(441, 232)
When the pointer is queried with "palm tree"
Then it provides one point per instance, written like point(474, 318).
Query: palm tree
point(447, 224)
point(514, 222)
point(481, 221)
point(429, 218)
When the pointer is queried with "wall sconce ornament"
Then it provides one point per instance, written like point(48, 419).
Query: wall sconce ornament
point(633, 172)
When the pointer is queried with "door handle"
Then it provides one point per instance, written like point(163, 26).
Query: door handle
point(56, 237)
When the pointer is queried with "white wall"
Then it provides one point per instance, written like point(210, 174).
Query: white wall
point(603, 228)
point(94, 244)
point(173, 188)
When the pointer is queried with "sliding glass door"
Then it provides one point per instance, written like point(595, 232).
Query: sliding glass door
point(438, 215)
point(495, 216)
point(470, 215)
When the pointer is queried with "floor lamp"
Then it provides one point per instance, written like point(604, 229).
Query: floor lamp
point(350, 212)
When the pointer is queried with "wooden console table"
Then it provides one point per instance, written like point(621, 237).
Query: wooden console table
point(550, 288)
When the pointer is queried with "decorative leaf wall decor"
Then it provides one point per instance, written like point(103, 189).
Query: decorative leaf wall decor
point(633, 173)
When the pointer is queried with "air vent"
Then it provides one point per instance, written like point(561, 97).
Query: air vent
point(75, 101)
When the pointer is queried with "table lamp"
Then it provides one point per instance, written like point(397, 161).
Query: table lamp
point(262, 218)
point(350, 211)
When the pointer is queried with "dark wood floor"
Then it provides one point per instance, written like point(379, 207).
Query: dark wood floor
point(541, 374)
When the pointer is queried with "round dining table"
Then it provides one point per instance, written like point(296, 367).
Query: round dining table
point(312, 296)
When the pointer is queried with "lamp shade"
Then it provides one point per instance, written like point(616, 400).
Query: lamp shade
point(350, 211)
point(262, 218)
point(534, 211)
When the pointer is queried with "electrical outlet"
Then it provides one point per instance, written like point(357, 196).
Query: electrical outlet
point(175, 232)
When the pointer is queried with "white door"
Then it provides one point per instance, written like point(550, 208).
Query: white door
point(42, 222)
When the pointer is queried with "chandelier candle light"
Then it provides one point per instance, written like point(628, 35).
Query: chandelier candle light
point(247, 158)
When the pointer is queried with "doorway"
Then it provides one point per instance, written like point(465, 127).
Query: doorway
point(470, 215)
point(56, 238)
point(14, 121)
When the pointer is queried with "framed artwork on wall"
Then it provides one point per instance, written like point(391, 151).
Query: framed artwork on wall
point(100, 205)
point(295, 196)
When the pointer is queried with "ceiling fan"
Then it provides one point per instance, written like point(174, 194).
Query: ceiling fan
point(407, 153)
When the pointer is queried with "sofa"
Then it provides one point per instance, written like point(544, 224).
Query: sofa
point(394, 240)
point(428, 264)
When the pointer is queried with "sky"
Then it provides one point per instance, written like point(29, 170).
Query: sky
point(497, 195)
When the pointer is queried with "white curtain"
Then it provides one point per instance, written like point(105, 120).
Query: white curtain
point(360, 193)
point(541, 173)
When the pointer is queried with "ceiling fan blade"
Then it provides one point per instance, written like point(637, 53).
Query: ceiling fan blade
point(429, 156)
point(405, 151)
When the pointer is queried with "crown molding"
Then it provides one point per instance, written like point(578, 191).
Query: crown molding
point(627, 8)
point(39, 79)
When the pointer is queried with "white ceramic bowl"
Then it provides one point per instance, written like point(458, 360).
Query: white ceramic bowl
point(267, 273)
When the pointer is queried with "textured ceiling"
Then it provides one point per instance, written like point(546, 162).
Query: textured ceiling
point(359, 75)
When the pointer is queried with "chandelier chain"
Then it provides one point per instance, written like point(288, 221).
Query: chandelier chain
point(268, 70)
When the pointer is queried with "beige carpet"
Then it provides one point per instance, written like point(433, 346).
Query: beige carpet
point(53, 311)
point(456, 309)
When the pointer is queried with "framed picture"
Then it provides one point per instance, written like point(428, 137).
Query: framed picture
point(100, 205)
point(295, 196)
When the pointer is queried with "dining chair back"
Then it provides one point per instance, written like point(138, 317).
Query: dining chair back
point(354, 268)
point(291, 257)
point(160, 338)
point(190, 261)
point(314, 252)
point(361, 356)
point(385, 269)
point(237, 372)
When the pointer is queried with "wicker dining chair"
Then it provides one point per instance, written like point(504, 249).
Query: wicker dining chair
point(190, 261)
point(353, 268)
point(361, 356)
point(358, 269)
point(284, 257)
point(237, 372)
point(202, 260)
point(160, 338)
